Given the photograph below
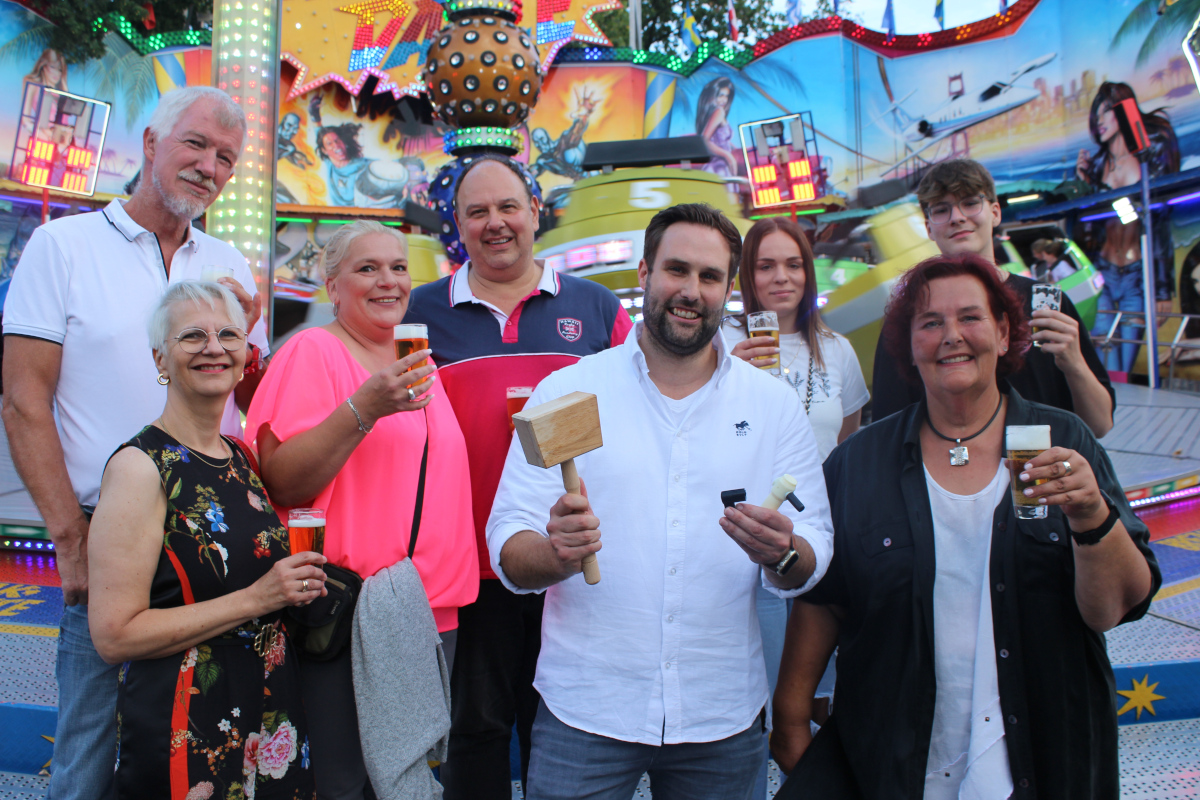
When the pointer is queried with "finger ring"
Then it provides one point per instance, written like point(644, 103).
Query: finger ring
point(304, 585)
point(412, 396)
point(1067, 467)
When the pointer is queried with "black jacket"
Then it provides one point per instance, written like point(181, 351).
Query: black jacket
point(1056, 684)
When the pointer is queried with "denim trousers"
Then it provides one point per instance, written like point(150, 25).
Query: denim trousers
point(85, 736)
point(570, 764)
point(772, 622)
point(1122, 292)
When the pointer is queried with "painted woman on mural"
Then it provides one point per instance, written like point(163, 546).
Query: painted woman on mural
point(1116, 247)
point(712, 122)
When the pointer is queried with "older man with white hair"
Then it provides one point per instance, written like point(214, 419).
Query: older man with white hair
point(79, 378)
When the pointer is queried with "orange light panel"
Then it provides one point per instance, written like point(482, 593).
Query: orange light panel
point(74, 182)
point(768, 196)
point(799, 169)
point(803, 191)
point(765, 174)
point(41, 151)
point(79, 157)
point(36, 175)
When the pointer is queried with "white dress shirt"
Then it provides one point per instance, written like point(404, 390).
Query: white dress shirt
point(89, 283)
point(666, 648)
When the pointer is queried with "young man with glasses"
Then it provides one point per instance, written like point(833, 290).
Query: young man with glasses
point(961, 214)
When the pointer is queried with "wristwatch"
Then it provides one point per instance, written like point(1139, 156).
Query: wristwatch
point(787, 562)
point(1096, 534)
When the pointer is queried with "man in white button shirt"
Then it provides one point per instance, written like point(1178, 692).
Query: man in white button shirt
point(79, 378)
point(659, 667)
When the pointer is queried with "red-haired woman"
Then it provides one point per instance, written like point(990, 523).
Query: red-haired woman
point(971, 660)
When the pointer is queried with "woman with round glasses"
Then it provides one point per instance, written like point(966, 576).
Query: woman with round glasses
point(189, 572)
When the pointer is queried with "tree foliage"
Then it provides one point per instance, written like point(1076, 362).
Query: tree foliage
point(662, 28)
point(77, 36)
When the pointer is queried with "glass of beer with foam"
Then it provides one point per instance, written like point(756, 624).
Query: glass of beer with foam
point(764, 323)
point(1025, 442)
point(410, 339)
point(517, 397)
point(306, 530)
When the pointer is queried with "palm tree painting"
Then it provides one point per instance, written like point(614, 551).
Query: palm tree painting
point(1168, 28)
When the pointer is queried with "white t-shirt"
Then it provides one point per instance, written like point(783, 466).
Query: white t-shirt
point(838, 389)
point(964, 653)
point(89, 282)
point(1061, 271)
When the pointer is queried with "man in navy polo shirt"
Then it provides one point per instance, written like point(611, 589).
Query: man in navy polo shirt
point(501, 321)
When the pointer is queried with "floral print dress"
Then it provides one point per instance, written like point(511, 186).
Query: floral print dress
point(222, 720)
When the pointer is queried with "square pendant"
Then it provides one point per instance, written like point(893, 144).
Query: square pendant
point(958, 456)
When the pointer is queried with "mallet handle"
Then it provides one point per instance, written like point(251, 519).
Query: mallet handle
point(591, 569)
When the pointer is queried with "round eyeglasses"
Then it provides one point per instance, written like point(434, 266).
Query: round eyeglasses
point(939, 213)
point(194, 340)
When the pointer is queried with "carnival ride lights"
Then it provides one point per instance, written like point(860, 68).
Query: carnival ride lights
point(616, 251)
point(58, 137)
point(1125, 210)
point(783, 160)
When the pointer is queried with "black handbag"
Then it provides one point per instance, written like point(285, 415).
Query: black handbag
point(321, 630)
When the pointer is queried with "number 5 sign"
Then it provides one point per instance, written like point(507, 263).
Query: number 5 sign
point(649, 194)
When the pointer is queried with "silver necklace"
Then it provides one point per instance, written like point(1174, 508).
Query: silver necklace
point(199, 457)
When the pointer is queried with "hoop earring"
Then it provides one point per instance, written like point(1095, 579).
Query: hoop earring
point(242, 377)
point(163, 380)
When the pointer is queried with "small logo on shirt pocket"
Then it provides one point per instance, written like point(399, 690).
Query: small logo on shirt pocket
point(741, 428)
point(570, 329)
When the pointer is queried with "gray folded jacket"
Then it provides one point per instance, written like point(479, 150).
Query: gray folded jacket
point(401, 685)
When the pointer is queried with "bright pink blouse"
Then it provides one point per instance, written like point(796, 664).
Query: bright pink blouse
point(369, 505)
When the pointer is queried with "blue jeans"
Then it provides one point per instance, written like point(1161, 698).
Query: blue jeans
point(85, 737)
point(570, 764)
point(772, 622)
point(1122, 292)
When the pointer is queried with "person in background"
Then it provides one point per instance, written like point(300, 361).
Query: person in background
point(190, 572)
point(341, 424)
point(778, 275)
point(943, 603)
point(961, 211)
point(79, 381)
point(658, 668)
point(502, 320)
point(1053, 267)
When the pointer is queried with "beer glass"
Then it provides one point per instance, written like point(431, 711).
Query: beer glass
point(517, 397)
point(306, 530)
point(410, 339)
point(214, 273)
point(1025, 442)
point(765, 323)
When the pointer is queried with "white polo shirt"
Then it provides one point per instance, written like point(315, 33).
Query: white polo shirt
point(90, 282)
point(666, 648)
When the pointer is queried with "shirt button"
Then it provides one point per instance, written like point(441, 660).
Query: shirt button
point(672, 570)
point(1004, 654)
point(1012, 719)
point(670, 618)
point(1003, 526)
point(887, 542)
point(1053, 536)
point(677, 479)
point(999, 587)
point(667, 665)
point(1024, 783)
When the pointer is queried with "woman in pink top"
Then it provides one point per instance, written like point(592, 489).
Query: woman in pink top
point(338, 427)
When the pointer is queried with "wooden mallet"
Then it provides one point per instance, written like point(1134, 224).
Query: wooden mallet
point(555, 433)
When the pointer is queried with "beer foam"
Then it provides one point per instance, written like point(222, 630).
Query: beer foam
point(306, 523)
point(410, 332)
point(1028, 437)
